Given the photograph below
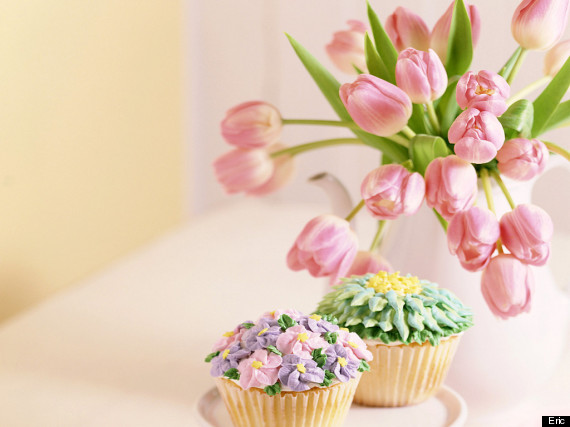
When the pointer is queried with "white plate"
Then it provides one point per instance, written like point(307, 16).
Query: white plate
point(447, 408)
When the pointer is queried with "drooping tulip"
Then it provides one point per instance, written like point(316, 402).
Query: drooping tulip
point(507, 286)
point(243, 170)
point(477, 135)
point(326, 247)
point(522, 158)
point(346, 50)
point(539, 24)
point(472, 236)
point(368, 262)
point(283, 171)
point(555, 58)
point(486, 91)
point(375, 105)
point(526, 232)
point(421, 75)
point(391, 190)
point(406, 29)
point(451, 185)
point(252, 124)
point(440, 32)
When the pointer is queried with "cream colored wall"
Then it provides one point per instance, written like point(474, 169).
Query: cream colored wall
point(91, 153)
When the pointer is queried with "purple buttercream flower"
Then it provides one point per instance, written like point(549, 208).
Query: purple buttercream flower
point(340, 363)
point(227, 359)
point(262, 335)
point(314, 323)
point(297, 373)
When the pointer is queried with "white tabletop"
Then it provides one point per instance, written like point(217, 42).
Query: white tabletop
point(126, 347)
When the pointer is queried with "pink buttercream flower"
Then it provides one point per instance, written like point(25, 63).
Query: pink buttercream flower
point(346, 50)
point(375, 105)
point(555, 58)
point(451, 185)
point(243, 170)
point(538, 24)
point(472, 236)
point(368, 262)
point(507, 286)
point(299, 341)
point(283, 171)
point(486, 91)
point(526, 232)
point(406, 29)
point(391, 190)
point(229, 338)
point(421, 75)
point(252, 124)
point(355, 346)
point(440, 32)
point(326, 247)
point(276, 314)
point(522, 159)
point(259, 370)
point(477, 135)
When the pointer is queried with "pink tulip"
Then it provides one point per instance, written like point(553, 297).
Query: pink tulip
point(477, 135)
point(451, 185)
point(556, 57)
point(538, 24)
point(472, 236)
point(253, 124)
point(406, 29)
point(522, 159)
point(346, 49)
point(526, 232)
point(243, 170)
point(368, 262)
point(327, 246)
point(421, 75)
point(486, 91)
point(440, 33)
point(391, 190)
point(375, 105)
point(283, 170)
point(507, 286)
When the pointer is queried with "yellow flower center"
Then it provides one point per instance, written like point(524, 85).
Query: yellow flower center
point(264, 330)
point(256, 364)
point(301, 368)
point(353, 345)
point(225, 353)
point(229, 334)
point(344, 329)
point(384, 282)
point(480, 90)
point(315, 317)
point(303, 337)
point(272, 313)
point(342, 361)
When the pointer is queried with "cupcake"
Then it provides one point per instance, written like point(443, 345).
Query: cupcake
point(412, 328)
point(288, 369)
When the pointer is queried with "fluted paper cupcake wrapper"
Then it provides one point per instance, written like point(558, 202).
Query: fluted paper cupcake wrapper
point(317, 407)
point(402, 375)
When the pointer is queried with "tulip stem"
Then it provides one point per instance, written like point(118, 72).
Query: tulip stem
point(398, 139)
point(292, 151)
point(441, 220)
point(350, 125)
point(528, 89)
point(378, 236)
point(557, 149)
point(504, 189)
point(489, 197)
point(353, 212)
point(408, 132)
point(433, 117)
point(517, 65)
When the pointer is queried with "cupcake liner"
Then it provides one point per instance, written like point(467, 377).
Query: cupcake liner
point(402, 375)
point(312, 408)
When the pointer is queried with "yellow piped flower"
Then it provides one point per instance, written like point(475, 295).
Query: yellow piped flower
point(225, 353)
point(342, 361)
point(256, 364)
point(303, 337)
point(229, 334)
point(353, 345)
point(264, 330)
point(301, 368)
point(315, 317)
point(384, 282)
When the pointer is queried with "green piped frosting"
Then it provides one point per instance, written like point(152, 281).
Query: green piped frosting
point(429, 315)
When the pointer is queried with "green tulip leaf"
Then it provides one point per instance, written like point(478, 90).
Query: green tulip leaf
point(509, 65)
point(425, 148)
point(447, 108)
point(374, 62)
point(384, 45)
point(560, 117)
point(459, 45)
point(518, 117)
point(418, 121)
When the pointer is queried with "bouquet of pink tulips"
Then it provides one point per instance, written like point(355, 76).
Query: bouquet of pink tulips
point(440, 128)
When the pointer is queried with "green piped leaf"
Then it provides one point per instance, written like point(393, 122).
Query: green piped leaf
point(331, 337)
point(319, 357)
point(329, 377)
point(273, 349)
point(374, 62)
point(274, 389)
point(248, 325)
point(459, 45)
point(362, 297)
point(377, 303)
point(384, 45)
point(519, 118)
point(232, 374)
point(364, 366)
point(210, 356)
point(560, 117)
point(286, 322)
point(425, 148)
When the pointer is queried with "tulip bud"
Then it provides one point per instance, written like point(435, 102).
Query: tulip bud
point(327, 246)
point(391, 190)
point(253, 124)
point(368, 262)
point(522, 159)
point(421, 75)
point(406, 29)
point(507, 286)
point(556, 57)
point(486, 91)
point(375, 105)
point(526, 232)
point(538, 24)
point(283, 170)
point(472, 236)
point(451, 185)
point(346, 50)
point(440, 33)
point(477, 135)
point(243, 170)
